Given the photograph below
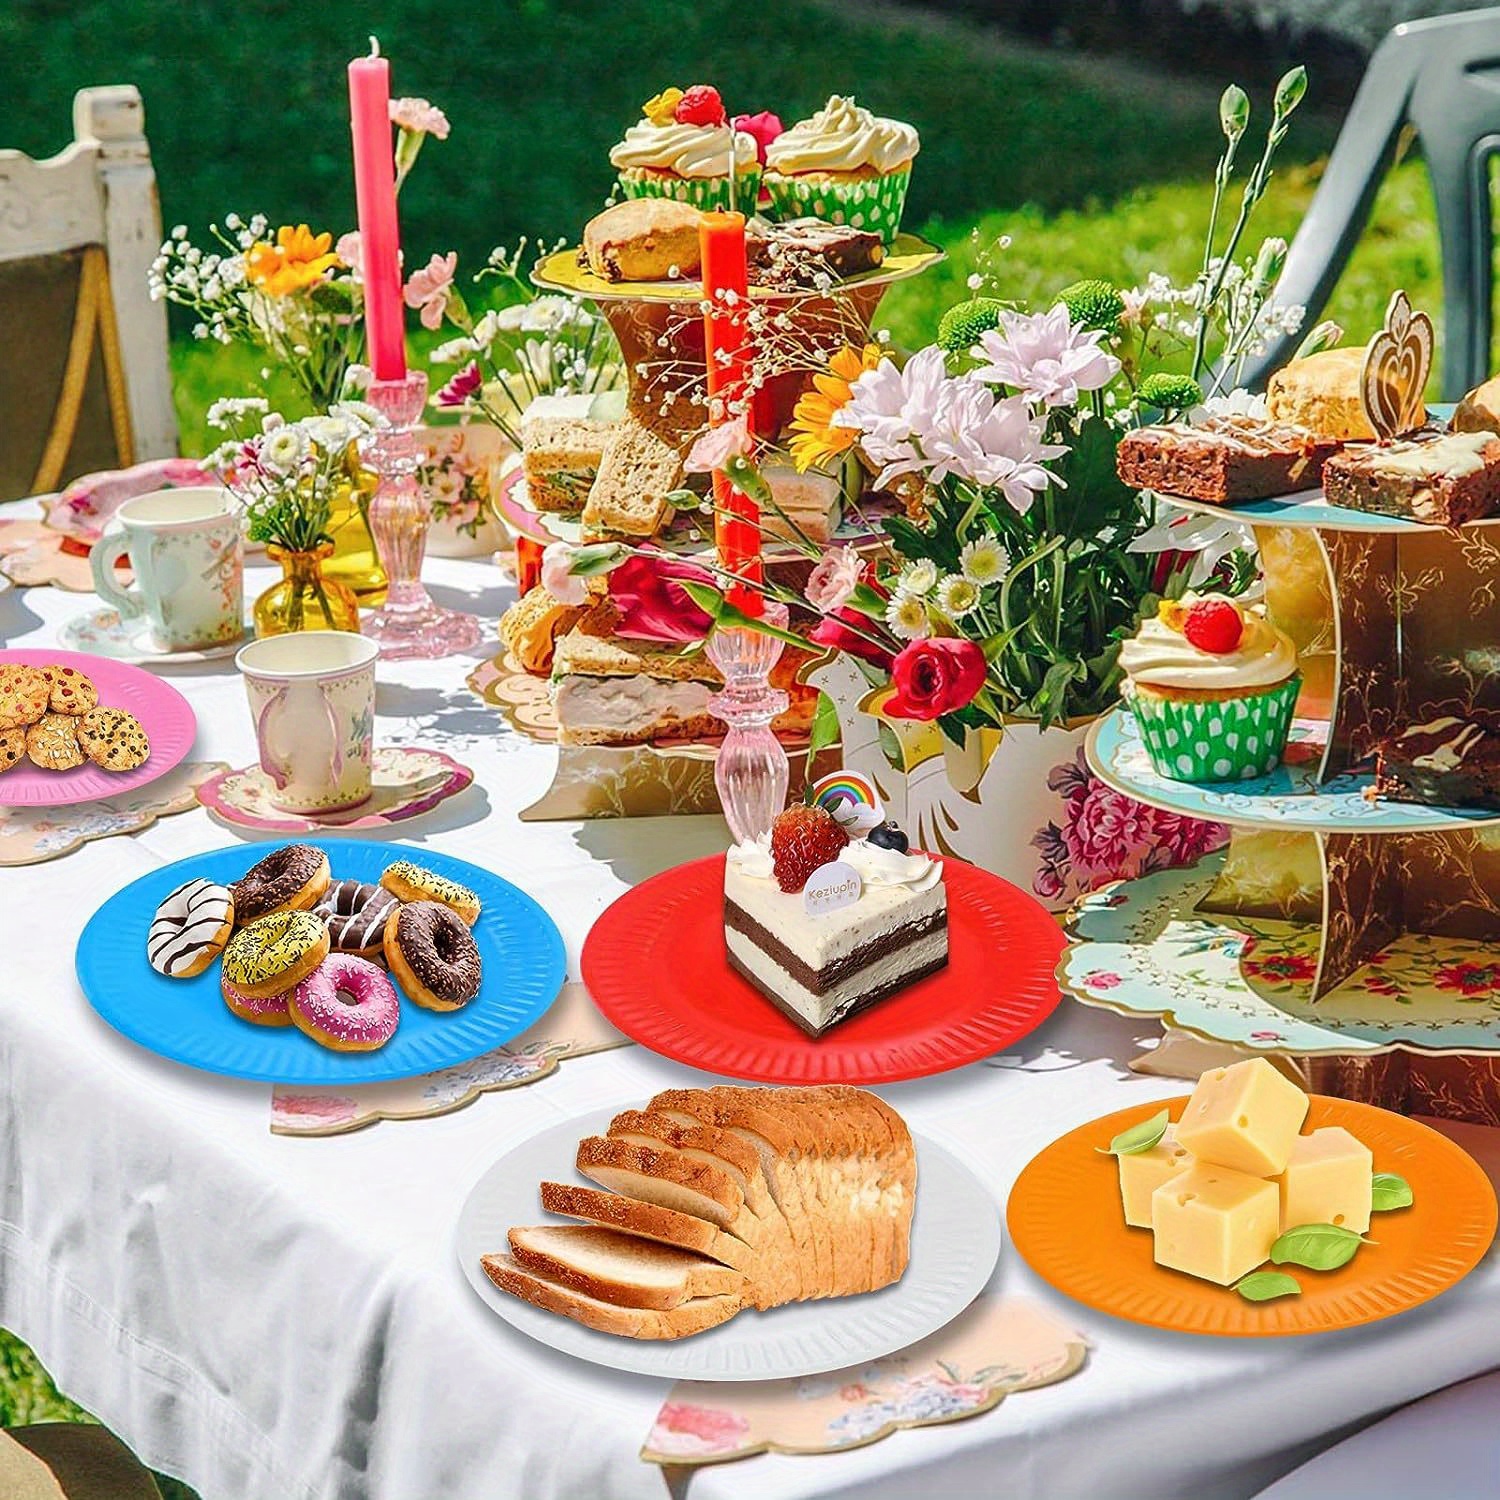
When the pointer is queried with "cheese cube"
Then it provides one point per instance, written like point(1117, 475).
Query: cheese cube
point(1143, 1173)
point(1327, 1181)
point(1244, 1117)
point(1215, 1223)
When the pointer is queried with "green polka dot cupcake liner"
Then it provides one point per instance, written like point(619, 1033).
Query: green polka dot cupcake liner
point(873, 203)
point(1218, 739)
point(709, 194)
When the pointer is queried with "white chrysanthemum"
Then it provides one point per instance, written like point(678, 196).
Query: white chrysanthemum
point(283, 449)
point(907, 617)
point(226, 408)
point(984, 561)
point(917, 579)
point(957, 596)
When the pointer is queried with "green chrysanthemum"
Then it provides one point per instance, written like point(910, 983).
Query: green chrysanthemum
point(1169, 392)
point(1094, 303)
point(963, 323)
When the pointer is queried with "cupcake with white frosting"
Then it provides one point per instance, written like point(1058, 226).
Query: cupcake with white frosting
point(845, 165)
point(1213, 687)
point(684, 147)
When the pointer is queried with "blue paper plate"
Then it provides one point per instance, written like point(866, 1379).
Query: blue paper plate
point(187, 1021)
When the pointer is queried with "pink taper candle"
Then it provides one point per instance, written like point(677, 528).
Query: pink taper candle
point(375, 197)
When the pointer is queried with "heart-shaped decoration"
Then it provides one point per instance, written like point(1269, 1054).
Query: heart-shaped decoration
point(1395, 371)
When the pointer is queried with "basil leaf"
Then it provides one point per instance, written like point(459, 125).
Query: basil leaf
point(1266, 1286)
point(1388, 1191)
point(1319, 1247)
point(1138, 1138)
point(683, 499)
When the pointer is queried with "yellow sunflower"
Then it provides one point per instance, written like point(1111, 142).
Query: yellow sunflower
point(297, 260)
point(816, 439)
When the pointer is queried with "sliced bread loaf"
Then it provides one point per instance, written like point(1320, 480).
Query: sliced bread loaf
point(648, 1220)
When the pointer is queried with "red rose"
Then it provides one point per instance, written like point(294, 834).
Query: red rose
point(653, 605)
point(935, 677)
point(834, 630)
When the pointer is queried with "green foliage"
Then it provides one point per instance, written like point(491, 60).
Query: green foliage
point(962, 324)
point(27, 1394)
point(1169, 392)
point(1093, 302)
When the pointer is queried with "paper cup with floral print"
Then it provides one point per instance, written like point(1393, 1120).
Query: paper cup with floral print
point(861, 202)
point(1215, 739)
point(709, 194)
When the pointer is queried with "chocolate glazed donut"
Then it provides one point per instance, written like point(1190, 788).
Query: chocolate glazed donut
point(288, 879)
point(433, 954)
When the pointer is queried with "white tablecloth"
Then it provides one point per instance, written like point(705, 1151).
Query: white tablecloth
point(283, 1319)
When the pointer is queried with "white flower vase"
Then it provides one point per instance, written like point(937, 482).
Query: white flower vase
point(1020, 802)
point(457, 474)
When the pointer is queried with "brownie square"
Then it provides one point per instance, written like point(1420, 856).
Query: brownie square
point(1444, 480)
point(1223, 460)
point(1447, 762)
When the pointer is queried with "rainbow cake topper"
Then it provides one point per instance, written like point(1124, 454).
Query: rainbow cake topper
point(850, 798)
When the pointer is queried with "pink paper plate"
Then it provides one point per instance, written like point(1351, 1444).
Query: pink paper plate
point(164, 714)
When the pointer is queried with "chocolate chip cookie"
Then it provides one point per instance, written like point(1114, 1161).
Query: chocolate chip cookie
point(52, 743)
point(113, 739)
point(12, 748)
point(71, 691)
point(24, 692)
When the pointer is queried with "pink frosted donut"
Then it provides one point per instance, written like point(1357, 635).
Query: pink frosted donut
point(346, 1003)
point(259, 1010)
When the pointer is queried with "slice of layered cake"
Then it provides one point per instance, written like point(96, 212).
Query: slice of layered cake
point(824, 925)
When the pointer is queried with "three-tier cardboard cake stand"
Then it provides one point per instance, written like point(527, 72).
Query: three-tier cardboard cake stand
point(1357, 933)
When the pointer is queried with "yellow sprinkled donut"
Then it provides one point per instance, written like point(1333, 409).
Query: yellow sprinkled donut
point(273, 953)
point(409, 882)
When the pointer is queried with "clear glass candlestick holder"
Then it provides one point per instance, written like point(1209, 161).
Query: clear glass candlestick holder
point(410, 624)
point(751, 769)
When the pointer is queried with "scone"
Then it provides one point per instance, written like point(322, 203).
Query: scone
point(24, 692)
point(72, 691)
point(12, 749)
point(1321, 393)
point(52, 743)
point(531, 626)
point(1479, 411)
point(643, 239)
point(113, 739)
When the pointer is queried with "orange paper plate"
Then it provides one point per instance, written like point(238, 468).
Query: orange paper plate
point(1065, 1220)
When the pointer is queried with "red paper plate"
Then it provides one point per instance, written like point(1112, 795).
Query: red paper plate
point(655, 964)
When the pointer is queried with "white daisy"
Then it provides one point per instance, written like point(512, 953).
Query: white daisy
point(984, 561)
point(957, 596)
point(917, 579)
point(907, 617)
point(283, 449)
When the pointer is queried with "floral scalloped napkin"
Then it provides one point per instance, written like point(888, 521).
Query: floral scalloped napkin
point(30, 835)
point(572, 1027)
point(999, 1346)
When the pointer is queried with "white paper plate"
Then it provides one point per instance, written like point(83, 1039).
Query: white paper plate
point(955, 1242)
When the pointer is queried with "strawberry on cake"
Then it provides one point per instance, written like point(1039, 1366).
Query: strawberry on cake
point(823, 924)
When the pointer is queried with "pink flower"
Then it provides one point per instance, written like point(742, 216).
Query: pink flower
point(1105, 832)
point(557, 577)
point(893, 409)
point(717, 445)
point(419, 116)
point(1101, 979)
point(1045, 357)
point(988, 442)
point(463, 387)
point(763, 127)
point(653, 605)
point(848, 630)
point(349, 251)
point(834, 579)
point(428, 288)
point(1185, 839)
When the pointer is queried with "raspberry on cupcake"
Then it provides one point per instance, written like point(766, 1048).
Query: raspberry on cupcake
point(684, 147)
point(1213, 686)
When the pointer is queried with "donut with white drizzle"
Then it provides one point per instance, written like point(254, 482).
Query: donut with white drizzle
point(190, 929)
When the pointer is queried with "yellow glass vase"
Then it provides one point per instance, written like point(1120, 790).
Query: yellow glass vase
point(354, 561)
point(308, 597)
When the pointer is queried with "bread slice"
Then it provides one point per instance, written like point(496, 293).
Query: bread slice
point(666, 1226)
point(612, 1266)
point(687, 1318)
point(582, 652)
point(561, 458)
point(638, 470)
point(670, 1180)
point(531, 626)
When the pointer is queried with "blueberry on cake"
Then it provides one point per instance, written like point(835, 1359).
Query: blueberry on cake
point(824, 926)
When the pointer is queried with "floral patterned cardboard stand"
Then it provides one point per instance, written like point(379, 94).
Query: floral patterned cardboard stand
point(998, 1347)
point(31, 835)
point(571, 1028)
point(34, 556)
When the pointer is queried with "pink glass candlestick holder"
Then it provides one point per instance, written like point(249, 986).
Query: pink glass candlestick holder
point(751, 769)
point(410, 624)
